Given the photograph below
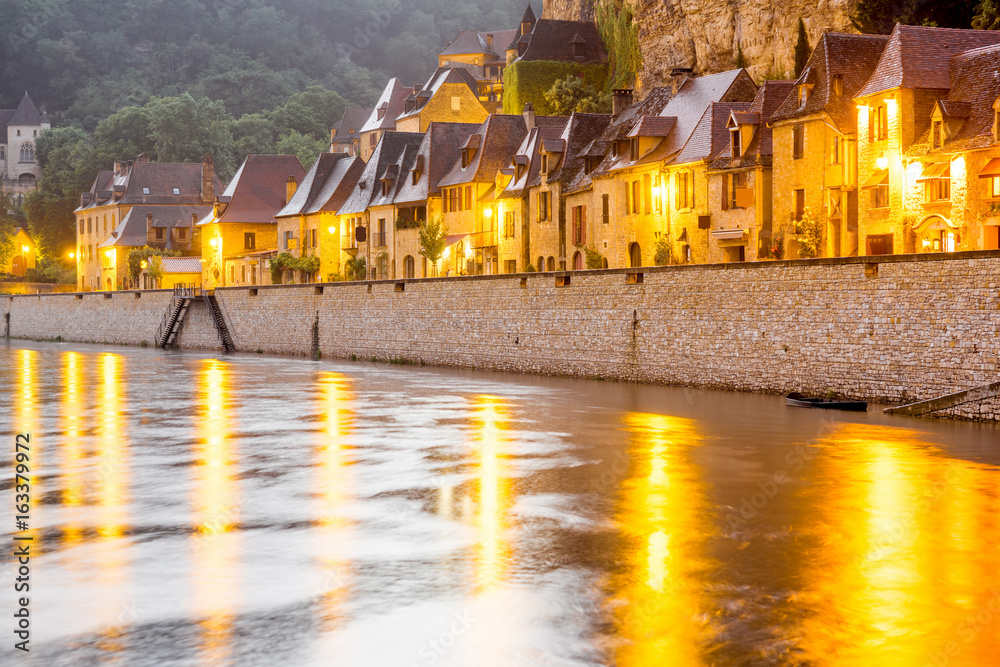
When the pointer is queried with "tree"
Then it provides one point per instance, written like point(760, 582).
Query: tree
point(432, 239)
point(801, 49)
point(9, 219)
point(572, 94)
point(881, 16)
point(154, 267)
point(987, 15)
point(305, 147)
point(662, 255)
point(354, 268)
point(183, 129)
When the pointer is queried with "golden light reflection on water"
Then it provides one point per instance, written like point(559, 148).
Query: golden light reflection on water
point(216, 505)
point(333, 492)
point(493, 492)
point(657, 600)
point(905, 540)
point(72, 452)
point(26, 422)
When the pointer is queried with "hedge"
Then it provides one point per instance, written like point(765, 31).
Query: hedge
point(528, 81)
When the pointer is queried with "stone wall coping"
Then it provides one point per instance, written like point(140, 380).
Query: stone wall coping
point(731, 266)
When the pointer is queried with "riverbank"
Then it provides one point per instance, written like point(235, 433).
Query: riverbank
point(888, 329)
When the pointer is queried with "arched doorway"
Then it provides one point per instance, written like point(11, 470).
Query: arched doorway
point(408, 267)
point(107, 284)
point(577, 261)
point(634, 255)
point(541, 263)
point(17, 265)
point(936, 233)
point(552, 264)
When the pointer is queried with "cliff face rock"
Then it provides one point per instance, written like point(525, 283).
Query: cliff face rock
point(705, 35)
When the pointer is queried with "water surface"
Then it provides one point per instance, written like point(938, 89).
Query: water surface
point(201, 510)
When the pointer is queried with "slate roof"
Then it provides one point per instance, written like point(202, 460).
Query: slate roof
point(853, 58)
point(528, 159)
point(550, 39)
point(438, 151)
point(327, 184)
point(160, 178)
point(27, 113)
point(581, 130)
point(475, 41)
point(692, 99)
point(131, 229)
point(759, 151)
point(397, 172)
point(918, 57)
point(974, 89)
point(392, 97)
point(349, 127)
point(619, 127)
point(368, 187)
point(653, 126)
point(257, 191)
point(441, 76)
point(710, 135)
point(500, 135)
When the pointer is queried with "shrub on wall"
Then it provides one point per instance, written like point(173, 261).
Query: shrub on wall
point(809, 230)
point(528, 81)
point(286, 261)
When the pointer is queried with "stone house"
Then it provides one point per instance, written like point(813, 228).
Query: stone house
point(240, 234)
point(449, 96)
point(815, 144)
point(23, 253)
point(308, 224)
point(483, 54)
point(895, 112)
point(19, 130)
point(345, 135)
point(365, 221)
point(383, 117)
point(159, 186)
point(175, 272)
point(469, 190)
point(740, 183)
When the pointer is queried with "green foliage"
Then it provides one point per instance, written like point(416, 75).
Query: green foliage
point(810, 232)
point(10, 217)
point(987, 16)
point(407, 222)
point(304, 147)
point(50, 270)
point(620, 35)
point(285, 260)
point(594, 258)
point(662, 254)
point(355, 268)
point(530, 268)
point(774, 73)
point(529, 81)
point(741, 58)
point(801, 49)
point(572, 94)
point(773, 247)
point(432, 239)
point(136, 257)
point(881, 16)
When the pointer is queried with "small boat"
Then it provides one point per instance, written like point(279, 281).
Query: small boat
point(797, 400)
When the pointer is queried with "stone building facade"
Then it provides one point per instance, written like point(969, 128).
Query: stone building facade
point(19, 130)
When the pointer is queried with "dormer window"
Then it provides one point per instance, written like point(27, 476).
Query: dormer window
point(634, 148)
point(937, 134)
point(545, 163)
point(578, 47)
point(380, 112)
point(737, 142)
point(177, 191)
point(803, 95)
point(145, 191)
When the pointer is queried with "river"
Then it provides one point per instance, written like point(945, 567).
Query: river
point(195, 509)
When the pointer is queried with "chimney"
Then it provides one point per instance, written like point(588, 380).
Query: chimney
point(119, 167)
point(621, 98)
point(489, 41)
point(207, 179)
point(529, 116)
point(678, 76)
point(149, 224)
point(142, 159)
point(290, 186)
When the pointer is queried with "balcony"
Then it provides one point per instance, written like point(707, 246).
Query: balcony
point(487, 239)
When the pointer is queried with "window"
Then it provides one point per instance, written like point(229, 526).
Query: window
point(313, 234)
point(938, 189)
point(798, 141)
point(459, 199)
point(177, 191)
point(633, 147)
point(468, 197)
point(105, 224)
point(545, 164)
point(182, 233)
point(249, 241)
point(836, 150)
point(995, 187)
point(880, 197)
point(737, 180)
point(606, 208)
point(372, 139)
point(543, 206)
point(81, 219)
point(684, 190)
point(416, 176)
point(456, 103)
point(635, 197)
point(232, 273)
point(879, 244)
point(647, 192)
point(89, 228)
point(159, 233)
point(838, 84)
point(508, 225)
point(27, 152)
point(288, 239)
point(836, 203)
point(936, 134)
point(579, 225)
point(3, 153)
point(737, 142)
point(878, 126)
point(145, 191)
point(800, 204)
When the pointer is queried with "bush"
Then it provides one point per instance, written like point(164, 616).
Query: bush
point(284, 261)
point(594, 258)
point(662, 254)
point(810, 232)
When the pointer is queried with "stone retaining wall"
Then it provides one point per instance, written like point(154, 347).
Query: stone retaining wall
point(889, 329)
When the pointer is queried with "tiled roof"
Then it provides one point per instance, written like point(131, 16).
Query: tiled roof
point(851, 57)
point(689, 104)
point(711, 134)
point(581, 131)
point(151, 183)
point(501, 135)
point(131, 230)
point(473, 41)
point(529, 160)
point(974, 89)
point(759, 151)
point(439, 150)
point(619, 126)
point(257, 191)
point(653, 126)
point(368, 187)
point(392, 99)
point(917, 57)
point(350, 125)
point(26, 113)
point(181, 264)
point(553, 40)
point(326, 185)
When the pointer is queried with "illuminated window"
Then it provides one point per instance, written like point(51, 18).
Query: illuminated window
point(684, 190)
point(880, 196)
point(995, 187)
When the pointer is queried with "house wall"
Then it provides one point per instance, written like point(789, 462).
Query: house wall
point(887, 329)
point(232, 245)
point(103, 220)
point(440, 109)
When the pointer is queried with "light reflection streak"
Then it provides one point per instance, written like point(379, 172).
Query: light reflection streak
point(333, 493)
point(494, 491)
point(26, 422)
point(657, 602)
point(899, 562)
point(216, 497)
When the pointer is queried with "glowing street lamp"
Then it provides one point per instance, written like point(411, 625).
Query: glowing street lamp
point(882, 162)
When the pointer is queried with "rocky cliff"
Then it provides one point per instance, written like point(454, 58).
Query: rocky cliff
point(705, 35)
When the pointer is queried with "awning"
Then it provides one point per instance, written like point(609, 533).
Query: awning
point(991, 169)
point(934, 223)
point(878, 177)
point(452, 239)
point(935, 171)
point(727, 234)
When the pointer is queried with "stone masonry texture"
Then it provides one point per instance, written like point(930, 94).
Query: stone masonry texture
point(888, 329)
